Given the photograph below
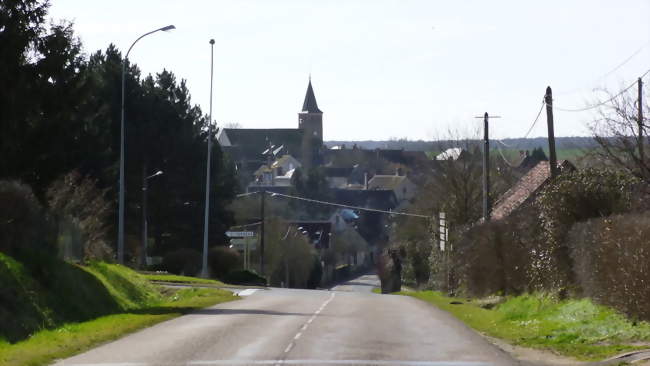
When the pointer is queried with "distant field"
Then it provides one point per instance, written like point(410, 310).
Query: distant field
point(513, 154)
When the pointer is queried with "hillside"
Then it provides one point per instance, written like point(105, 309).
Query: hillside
point(50, 294)
point(574, 142)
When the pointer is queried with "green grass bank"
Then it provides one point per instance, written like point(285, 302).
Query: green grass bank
point(53, 309)
point(574, 328)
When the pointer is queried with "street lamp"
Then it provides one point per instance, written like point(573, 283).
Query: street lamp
point(145, 180)
point(204, 266)
point(120, 230)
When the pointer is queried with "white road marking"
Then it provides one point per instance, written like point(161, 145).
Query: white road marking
point(304, 327)
point(247, 292)
point(326, 362)
point(289, 347)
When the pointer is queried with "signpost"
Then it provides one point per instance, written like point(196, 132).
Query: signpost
point(243, 241)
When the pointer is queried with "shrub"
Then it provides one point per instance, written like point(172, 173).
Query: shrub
point(223, 260)
point(81, 212)
point(245, 278)
point(182, 261)
point(24, 227)
point(611, 261)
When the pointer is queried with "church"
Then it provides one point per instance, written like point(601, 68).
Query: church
point(255, 150)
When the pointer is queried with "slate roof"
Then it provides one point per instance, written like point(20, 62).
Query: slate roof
point(310, 105)
point(337, 172)
point(345, 157)
point(526, 188)
point(385, 181)
point(380, 199)
point(249, 143)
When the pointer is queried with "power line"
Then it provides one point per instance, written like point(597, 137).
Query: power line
point(503, 156)
point(541, 108)
point(247, 225)
point(246, 194)
point(348, 206)
point(572, 91)
point(603, 102)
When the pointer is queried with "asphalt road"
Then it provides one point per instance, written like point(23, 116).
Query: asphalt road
point(348, 325)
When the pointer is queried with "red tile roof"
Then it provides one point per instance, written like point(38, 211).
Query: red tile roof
point(525, 188)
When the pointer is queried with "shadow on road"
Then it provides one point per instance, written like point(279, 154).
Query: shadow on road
point(212, 311)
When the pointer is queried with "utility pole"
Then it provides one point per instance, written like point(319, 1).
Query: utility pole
point(487, 207)
point(262, 219)
point(548, 99)
point(640, 121)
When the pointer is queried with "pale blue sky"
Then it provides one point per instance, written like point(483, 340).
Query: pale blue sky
point(381, 69)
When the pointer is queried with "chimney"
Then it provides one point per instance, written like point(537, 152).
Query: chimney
point(365, 180)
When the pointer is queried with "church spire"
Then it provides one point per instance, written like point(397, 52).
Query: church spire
point(310, 105)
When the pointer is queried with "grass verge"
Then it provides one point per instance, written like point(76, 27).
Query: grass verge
point(182, 279)
point(574, 328)
point(72, 338)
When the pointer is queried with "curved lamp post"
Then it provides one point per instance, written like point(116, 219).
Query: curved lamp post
point(120, 230)
point(206, 223)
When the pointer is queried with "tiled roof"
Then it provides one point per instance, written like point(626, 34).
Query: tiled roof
point(385, 181)
point(525, 188)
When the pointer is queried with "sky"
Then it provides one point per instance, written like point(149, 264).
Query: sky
point(381, 69)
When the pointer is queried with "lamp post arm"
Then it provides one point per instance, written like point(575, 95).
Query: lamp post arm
point(166, 28)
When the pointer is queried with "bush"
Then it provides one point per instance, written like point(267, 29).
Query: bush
point(611, 261)
point(182, 261)
point(529, 251)
point(24, 227)
point(223, 260)
point(245, 278)
point(81, 212)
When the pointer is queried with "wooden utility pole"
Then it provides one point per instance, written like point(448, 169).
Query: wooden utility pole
point(548, 99)
point(487, 206)
point(640, 121)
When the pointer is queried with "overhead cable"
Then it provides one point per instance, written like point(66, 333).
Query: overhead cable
point(601, 103)
point(572, 91)
point(348, 206)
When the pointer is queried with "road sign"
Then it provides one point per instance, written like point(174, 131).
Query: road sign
point(240, 234)
point(240, 244)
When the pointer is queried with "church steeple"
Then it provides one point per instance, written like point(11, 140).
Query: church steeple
point(310, 105)
point(310, 121)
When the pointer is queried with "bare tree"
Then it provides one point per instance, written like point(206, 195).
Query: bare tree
point(620, 134)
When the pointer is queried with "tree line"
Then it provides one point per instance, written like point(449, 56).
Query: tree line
point(60, 113)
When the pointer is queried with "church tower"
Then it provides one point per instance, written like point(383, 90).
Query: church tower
point(310, 120)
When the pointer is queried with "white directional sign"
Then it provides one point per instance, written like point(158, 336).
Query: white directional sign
point(240, 234)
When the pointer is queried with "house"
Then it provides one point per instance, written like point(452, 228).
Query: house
point(526, 188)
point(337, 177)
point(403, 188)
point(454, 153)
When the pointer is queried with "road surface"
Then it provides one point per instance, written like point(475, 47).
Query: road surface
point(348, 325)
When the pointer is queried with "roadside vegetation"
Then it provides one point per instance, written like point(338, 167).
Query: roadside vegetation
point(58, 309)
point(172, 278)
point(576, 328)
